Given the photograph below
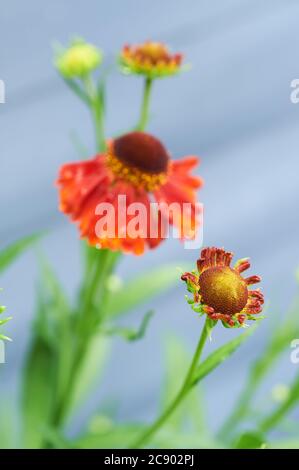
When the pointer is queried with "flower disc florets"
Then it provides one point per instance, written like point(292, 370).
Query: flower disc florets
point(220, 291)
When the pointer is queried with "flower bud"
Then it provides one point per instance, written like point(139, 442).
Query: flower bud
point(221, 292)
point(78, 60)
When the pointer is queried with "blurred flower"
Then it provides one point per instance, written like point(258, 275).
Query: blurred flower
point(152, 59)
point(222, 292)
point(78, 60)
point(136, 166)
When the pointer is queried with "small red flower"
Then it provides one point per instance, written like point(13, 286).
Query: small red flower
point(137, 166)
point(152, 59)
point(220, 291)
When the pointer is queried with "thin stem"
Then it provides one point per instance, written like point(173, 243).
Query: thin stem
point(144, 114)
point(186, 387)
point(97, 111)
point(76, 88)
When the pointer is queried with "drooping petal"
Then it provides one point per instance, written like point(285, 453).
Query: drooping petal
point(76, 181)
point(178, 197)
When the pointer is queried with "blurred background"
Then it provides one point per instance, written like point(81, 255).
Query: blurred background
point(233, 109)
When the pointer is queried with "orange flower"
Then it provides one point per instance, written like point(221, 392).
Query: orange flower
point(220, 291)
point(138, 167)
point(152, 59)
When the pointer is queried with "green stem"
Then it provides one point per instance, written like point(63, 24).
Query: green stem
point(87, 325)
point(186, 387)
point(144, 114)
point(280, 412)
point(97, 111)
point(93, 295)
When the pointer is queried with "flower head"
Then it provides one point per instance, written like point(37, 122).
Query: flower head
point(152, 59)
point(220, 291)
point(78, 60)
point(138, 167)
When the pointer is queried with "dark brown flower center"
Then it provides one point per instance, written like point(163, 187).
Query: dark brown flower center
point(223, 289)
point(141, 151)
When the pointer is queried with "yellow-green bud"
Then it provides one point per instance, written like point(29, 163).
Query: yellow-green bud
point(78, 60)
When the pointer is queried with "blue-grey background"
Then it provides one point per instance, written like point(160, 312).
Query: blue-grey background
point(233, 109)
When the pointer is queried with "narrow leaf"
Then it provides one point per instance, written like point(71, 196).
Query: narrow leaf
point(219, 356)
point(177, 362)
point(143, 288)
point(9, 254)
point(283, 409)
point(130, 334)
point(37, 398)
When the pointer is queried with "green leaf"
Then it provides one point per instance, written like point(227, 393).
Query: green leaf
point(117, 437)
point(130, 334)
point(52, 320)
point(3, 321)
point(102, 434)
point(251, 440)
point(78, 90)
point(37, 397)
point(168, 438)
point(191, 410)
point(9, 254)
point(8, 431)
point(219, 356)
point(90, 370)
point(41, 366)
point(5, 338)
point(281, 411)
point(279, 341)
point(143, 288)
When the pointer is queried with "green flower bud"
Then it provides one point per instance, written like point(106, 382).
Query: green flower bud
point(78, 60)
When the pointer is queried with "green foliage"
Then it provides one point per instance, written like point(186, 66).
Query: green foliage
point(280, 412)
point(279, 342)
point(191, 412)
point(112, 438)
point(143, 288)
point(131, 334)
point(40, 385)
point(7, 257)
point(48, 376)
point(38, 391)
point(9, 254)
point(8, 432)
point(2, 322)
point(219, 356)
point(250, 440)
point(102, 433)
point(90, 370)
